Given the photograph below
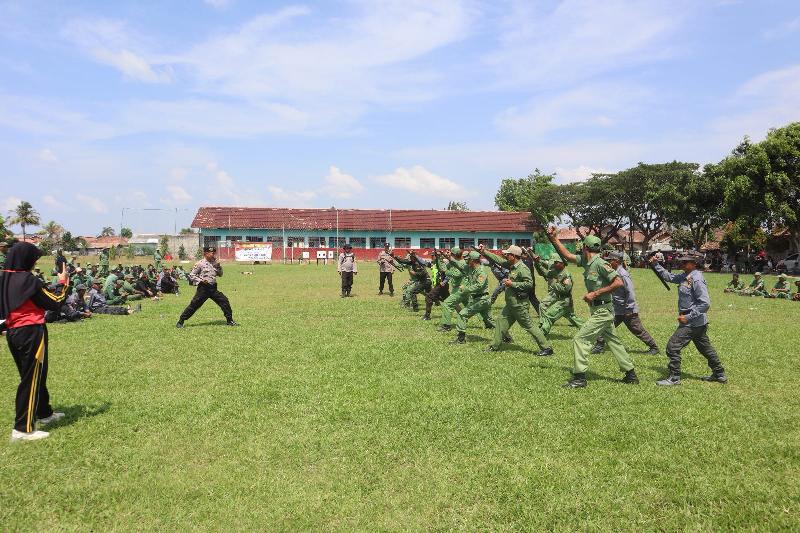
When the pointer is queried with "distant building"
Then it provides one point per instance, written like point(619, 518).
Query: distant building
point(363, 229)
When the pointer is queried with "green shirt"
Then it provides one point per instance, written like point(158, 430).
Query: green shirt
point(734, 284)
point(782, 285)
point(597, 273)
point(757, 284)
point(476, 283)
point(521, 280)
point(456, 271)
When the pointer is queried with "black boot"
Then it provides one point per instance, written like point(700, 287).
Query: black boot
point(631, 377)
point(508, 338)
point(460, 339)
point(600, 347)
point(426, 317)
point(671, 380)
point(545, 352)
point(445, 327)
point(578, 381)
point(717, 375)
point(652, 351)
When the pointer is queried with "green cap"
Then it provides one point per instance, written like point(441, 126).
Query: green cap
point(757, 274)
point(782, 276)
point(455, 250)
point(592, 243)
point(474, 256)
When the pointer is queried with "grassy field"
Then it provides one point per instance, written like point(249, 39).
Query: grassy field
point(323, 413)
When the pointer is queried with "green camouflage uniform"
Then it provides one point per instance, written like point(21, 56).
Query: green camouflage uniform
point(756, 288)
point(455, 272)
point(558, 302)
point(782, 289)
point(475, 288)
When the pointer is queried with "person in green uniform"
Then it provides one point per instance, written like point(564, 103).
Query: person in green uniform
point(103, 270)
point(420, 279)
point(781, 290)
point(734, 285)
point(796, 295)
point(517, 309)
point(112, 291)
point(475, 288)
point(128, 290)
point(756, 287)
point(558, 302)
point(601, 280)
point(80, 278)
point(455, 270)
point(157, 259)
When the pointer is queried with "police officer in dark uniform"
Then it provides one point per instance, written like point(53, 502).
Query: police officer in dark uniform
point(204, 275)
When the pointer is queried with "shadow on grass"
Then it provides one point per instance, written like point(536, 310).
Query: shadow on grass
point(207, 323)
point(684, 375)
point(73, 413)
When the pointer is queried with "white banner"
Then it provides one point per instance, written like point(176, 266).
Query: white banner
point(253, 251)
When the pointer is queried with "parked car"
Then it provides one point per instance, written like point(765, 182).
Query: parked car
point(790, 265)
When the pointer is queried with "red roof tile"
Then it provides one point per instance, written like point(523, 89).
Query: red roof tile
point(363, 219)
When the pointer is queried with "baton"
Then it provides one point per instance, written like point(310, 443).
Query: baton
point(653, 268)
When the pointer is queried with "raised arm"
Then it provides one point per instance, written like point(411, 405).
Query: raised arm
point(666, 275)
point(552, 235)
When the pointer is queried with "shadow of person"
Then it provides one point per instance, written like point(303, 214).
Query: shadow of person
point(73, 413)
point(207, 323)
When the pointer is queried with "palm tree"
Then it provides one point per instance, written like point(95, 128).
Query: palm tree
point(108, 231)
point(24, 215)
point(52, 232)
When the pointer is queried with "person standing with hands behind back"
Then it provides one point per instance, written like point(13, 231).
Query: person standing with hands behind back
point(347, 268)
point(23, 302)
point(204, 274)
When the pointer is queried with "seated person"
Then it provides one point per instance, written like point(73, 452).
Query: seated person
point(756, 287)
point(796, 295)
point(782, 289)
point(97, 302)
point(144, 287)
point(112, 291)
point(734, 284)
point(128, 290)
point(75, 307)
point(167, 284)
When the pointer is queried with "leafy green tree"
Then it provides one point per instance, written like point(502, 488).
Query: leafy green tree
point(699, 206)
point(187, 231)
point(107, 231)
point(763, 183)
point(24, 215)
point(126, 233)
point(199, 253)
point(52, 234)
point(130, 252)
point(163, 245)
point(457, 206)
point(593, 206)
point(4, 232)
point(68, 242)
point(535, 193)
point(182, 253)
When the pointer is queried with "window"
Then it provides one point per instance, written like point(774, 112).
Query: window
point(276, 240)
point(250, 238)
point(446, 242)
point(488, 243)
point(210, 240)
point(332, 243)
point(524, 242)
point(296, 242)
point(233, 238)
point(427, 242)
point(377, 242)
point(358, 242)
point(402, 242)
point(316, 242)
point(502, 244)
point(465, 243)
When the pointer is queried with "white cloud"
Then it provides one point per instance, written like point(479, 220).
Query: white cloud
point(218, 4)
point(577, 39)
point(47, 155)
point(341, 185)
point(111, 43)
point(291, 198)
point(420, 180)
point(178, 195)
point(786, 28)
point(11, 203)
point(579, 173)
point(53, 202)
point(93, 203)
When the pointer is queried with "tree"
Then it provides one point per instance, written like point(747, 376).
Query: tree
point(199, 253)
point(4, 232)
point(68, 242)
point(535, 193)
point(163, 245)
point(24, 215)
point(457, 206)
point(763, 183)
point(187, 231)
point(700, 209)
point(129, 251)
point(108, 231)
point(52, 234)
point(593, 207)
point(126, 233)
point(81, 245)
point(182, 253)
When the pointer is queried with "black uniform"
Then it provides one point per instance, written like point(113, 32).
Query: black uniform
point(205, 275)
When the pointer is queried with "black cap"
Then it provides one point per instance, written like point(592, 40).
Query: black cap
point(207, 249)
point(347, 247)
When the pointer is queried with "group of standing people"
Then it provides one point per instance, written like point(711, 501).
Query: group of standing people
point(458, 280)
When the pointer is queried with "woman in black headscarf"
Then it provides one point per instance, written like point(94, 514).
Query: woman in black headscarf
point(23, 302)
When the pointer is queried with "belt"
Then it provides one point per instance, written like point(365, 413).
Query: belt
point(596, 303)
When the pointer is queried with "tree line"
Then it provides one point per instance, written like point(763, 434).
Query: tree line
point(750, 194)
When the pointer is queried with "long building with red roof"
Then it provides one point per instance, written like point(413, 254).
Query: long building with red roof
point(363, 228)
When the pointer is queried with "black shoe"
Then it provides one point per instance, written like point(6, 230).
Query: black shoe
point(488, 326)
point(426, 317)
point(460, 339)
point(380, 293)
point(545, 352)
point(598, 348)
point(179, 325)
point(717, 375)
point(343, 295)
point(652, 351)
point(231, 323)
point(671, 380)
point(578, 381)
point(491, 348)
point(631, 377)
point(391, 294)
point(445, 328)
point(508, 338)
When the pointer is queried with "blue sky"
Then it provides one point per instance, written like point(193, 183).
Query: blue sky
point(358, 104)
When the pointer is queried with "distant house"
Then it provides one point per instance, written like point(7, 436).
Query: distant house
point(94, 245)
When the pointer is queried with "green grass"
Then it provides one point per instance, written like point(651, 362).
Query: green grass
point(322, 413)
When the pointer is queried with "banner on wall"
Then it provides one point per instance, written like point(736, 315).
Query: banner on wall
point(253, 251)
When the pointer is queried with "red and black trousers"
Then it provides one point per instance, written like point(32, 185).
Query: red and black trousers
point(28, 345)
